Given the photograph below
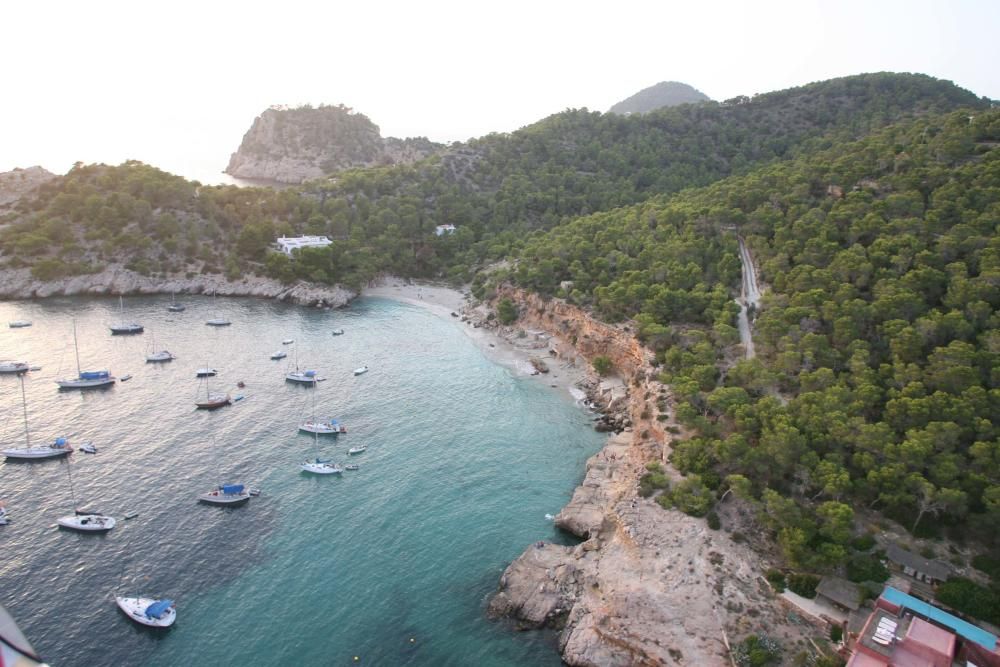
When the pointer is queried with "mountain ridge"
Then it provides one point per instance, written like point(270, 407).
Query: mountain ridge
point(658, 96)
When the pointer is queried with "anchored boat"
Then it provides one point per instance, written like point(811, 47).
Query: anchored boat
point(148, 611)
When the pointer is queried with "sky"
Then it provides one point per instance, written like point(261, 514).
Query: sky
point(177, 84)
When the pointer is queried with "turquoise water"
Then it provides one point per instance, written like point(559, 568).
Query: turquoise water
point(392, 563)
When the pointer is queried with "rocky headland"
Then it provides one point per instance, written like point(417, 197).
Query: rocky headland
point(20, 284)
point(647, 586)
point(291, 146)
point(20, 182)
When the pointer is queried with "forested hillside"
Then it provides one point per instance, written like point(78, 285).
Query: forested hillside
point(878, 382)
point(496, 190)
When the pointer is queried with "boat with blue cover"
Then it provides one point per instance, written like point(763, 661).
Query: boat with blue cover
point(226, 494)
point(60, 447)
point(85, 379)
point(156, 613)
point(323, 427)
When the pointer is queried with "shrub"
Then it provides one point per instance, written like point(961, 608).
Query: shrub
point(776, 578)
point(506, 311)
point(692, 497)
point(864, 567)
point(757, 651)
point(863, 542)
point(803, 584)
point(988, 564)
point(602, 365)
point(836, 633)
point(651, 481)
point(713, 521)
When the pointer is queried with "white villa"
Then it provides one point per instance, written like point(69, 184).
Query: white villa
point(288, 244)
point(444, 229)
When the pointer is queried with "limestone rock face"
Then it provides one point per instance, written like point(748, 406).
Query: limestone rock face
point(20, 182)
point(296, 145)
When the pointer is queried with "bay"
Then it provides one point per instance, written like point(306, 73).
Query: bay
point(391, 564)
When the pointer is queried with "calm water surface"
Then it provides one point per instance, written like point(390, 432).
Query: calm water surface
point(392, 563)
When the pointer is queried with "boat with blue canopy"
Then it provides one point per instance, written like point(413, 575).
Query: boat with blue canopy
point(85, 379)
point(226, 494)
point(156, 613)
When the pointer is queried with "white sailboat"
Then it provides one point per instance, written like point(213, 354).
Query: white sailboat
point(317, 465)
point(218, 320)
point(81, 521)
point(156, 613)
point(28, 453)
point(158, 356)
point(321, 426)
point(19, 324)
point(279, 354)
point(85, 379)
point(174, 307)
point(124, 328)
point(14, 366)
point(307, 377)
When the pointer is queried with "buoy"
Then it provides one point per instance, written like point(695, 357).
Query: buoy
point(356, 658)
point(412, 640)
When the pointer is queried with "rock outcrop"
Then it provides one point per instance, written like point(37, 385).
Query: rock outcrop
point(20, 284)
point(663, 94)
point(295, 145)
point(648, 586)
point(20, 182)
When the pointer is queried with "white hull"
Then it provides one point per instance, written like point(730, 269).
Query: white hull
point(218, 322)
point(301, 378)
point(36, 453)
point(205, 372)
point(135, 608)
point(278, 355)
point(160, 356)
point(287, 341)
point(85, 384)
point(87, 523)
point(357, 450)
point(337, 332)
point(19, 324)
point(322, 428)
point(219, 498)
point(14, 366)
point(359, 371)
point(322, 468)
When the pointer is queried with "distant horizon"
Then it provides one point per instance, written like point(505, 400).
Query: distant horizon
point(95, 84)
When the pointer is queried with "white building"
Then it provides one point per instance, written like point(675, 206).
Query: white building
point(288, 244)
point(444, 229)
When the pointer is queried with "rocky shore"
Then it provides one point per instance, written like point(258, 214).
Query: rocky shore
point(647, 586)
point(20, 284)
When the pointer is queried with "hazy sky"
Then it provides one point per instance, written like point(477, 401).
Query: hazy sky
point(177, 83)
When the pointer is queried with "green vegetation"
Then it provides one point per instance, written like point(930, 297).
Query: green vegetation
point(757, 651)
point(777, 579)
point(836, 633)
point(653, 480)
point(602, 364)
point(803, 584)
point(506, 311)
point(970, 598)
point(865, 567)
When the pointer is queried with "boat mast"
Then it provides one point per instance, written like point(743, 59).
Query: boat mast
point(72, 492)
point(76, 348)
point(24, 403)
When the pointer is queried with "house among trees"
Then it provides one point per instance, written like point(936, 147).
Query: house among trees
point(441, 230)
point(840, 592)
point(918, 567)
point(289, 244)
point(904, 631)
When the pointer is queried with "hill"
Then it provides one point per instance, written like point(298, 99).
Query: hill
point(663, 94)
point(293, 145)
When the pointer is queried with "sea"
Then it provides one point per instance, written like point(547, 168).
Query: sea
point(392, 564)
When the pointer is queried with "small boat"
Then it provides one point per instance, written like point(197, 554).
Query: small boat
point(126, 377)
point(357, 449)
point(288, 341)
point(359, 371)
point(329, 427)
point(157, 356)
point(89, 448)
point(227, 494)
point(214, 401)
point(124, 328)
point(337, 332)
point(253, 492)
point(4, 518)
point(218, 320)
point(85, 379)
point(14, 367)
point(19, 324)
point(321, 467)
point(174, 307)
point(28, 453)
point(35, 368)
point(280, 354)
point(352, 466)
point(241, 384)
point(87, 522)
point(131, 515)
point(205, 372)
point(148, 611)
point(238, 397)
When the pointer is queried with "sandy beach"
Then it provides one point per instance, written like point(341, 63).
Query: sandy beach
point(511, 352)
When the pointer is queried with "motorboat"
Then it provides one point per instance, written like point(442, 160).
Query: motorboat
point(328, 427)
point(227, 494)
point(359, 371)
point(357, 449)
point(89, 448)
point(352, 466)
point(148, 611)
point(205, 372)
point(14, 366)
point(87, 522)
point(85, 379)
point(19, 324)
point(213, 401)
point(126, 377)
point(124, 328)
point(337, 332)
point(60, 447)
point(287, 341)
point(321, 467)
point(280, 354)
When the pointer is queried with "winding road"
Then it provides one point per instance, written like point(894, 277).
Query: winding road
point(749, 296)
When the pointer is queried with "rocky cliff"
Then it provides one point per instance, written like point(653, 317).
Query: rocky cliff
point(20, 182)
point(663, 94)
point(296, 145)
point(19, 284)
point(648, 586)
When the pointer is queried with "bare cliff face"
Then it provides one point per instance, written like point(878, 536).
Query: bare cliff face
point(296, 145)
point(17, 183)
point(648, 586)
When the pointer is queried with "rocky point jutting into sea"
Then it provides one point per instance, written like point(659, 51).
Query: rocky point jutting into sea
point(647, 586)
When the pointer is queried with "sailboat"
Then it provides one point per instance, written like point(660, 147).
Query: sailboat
point(85, 379)
point(218, 320)
point(174, 307)
point(156, 613)
point(28, 453)
point(124, 328)
point(14, 367)
point(320, 426)
point(300, 376)
point(212, 401)
point(162, 355)
point(319, 466)
point(84, 522)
